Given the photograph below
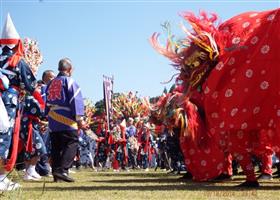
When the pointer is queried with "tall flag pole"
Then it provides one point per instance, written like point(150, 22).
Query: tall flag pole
point(108, 93)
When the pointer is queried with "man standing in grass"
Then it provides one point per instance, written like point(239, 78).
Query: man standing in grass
point(65, 110)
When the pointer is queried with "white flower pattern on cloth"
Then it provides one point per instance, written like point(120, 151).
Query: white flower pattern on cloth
point(232, 71)
point(236, 40)
point(228, 93)
point(219, 66)
point(240, 134)
point(215, 95)
point(256, 110)
point(38, 146)
point(244, 126)
point(33, 84)
point(14, 100)
point(278, 113)
point(231, 61)
point(245, 24)
point(207, 151)
point(249, 73)
point(265, 49)
point(6, 153)
point(248, 61)
point(270, 123)
point(206, 90)
point(271, 17)
point(33, 110)
point(233, 111)
point(220, 166)
point(264, 85)
point(203, 163)
point(188, 161)
point(250, 77)
point(215, 115)
point(222, 124)
point(254, 40)
point(239, 157)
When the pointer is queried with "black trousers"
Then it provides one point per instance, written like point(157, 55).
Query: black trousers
point(64, 149)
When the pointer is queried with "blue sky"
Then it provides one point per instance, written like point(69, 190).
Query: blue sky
point(110, 37)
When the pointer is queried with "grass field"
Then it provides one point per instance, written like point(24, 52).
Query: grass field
point(138, 185)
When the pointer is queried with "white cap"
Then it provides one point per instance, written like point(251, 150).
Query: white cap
point(9, 31)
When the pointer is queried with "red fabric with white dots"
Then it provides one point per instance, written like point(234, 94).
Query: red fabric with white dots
point(204, 159)
point(203, 163)
point(243, 90)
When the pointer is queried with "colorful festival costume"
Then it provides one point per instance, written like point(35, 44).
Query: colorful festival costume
point(29, 132)
point(64, 104)
point(87, 147)
point(20, 78)
point(197, 152)
point(234, 66)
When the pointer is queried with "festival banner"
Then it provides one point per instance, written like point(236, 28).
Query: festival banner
point(108, 93)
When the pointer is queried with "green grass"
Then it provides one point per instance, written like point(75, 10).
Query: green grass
point(138, 185)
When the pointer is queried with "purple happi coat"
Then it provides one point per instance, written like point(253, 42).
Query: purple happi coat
point(64, 103)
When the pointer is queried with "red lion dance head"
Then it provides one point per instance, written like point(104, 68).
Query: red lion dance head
point(196, 54)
